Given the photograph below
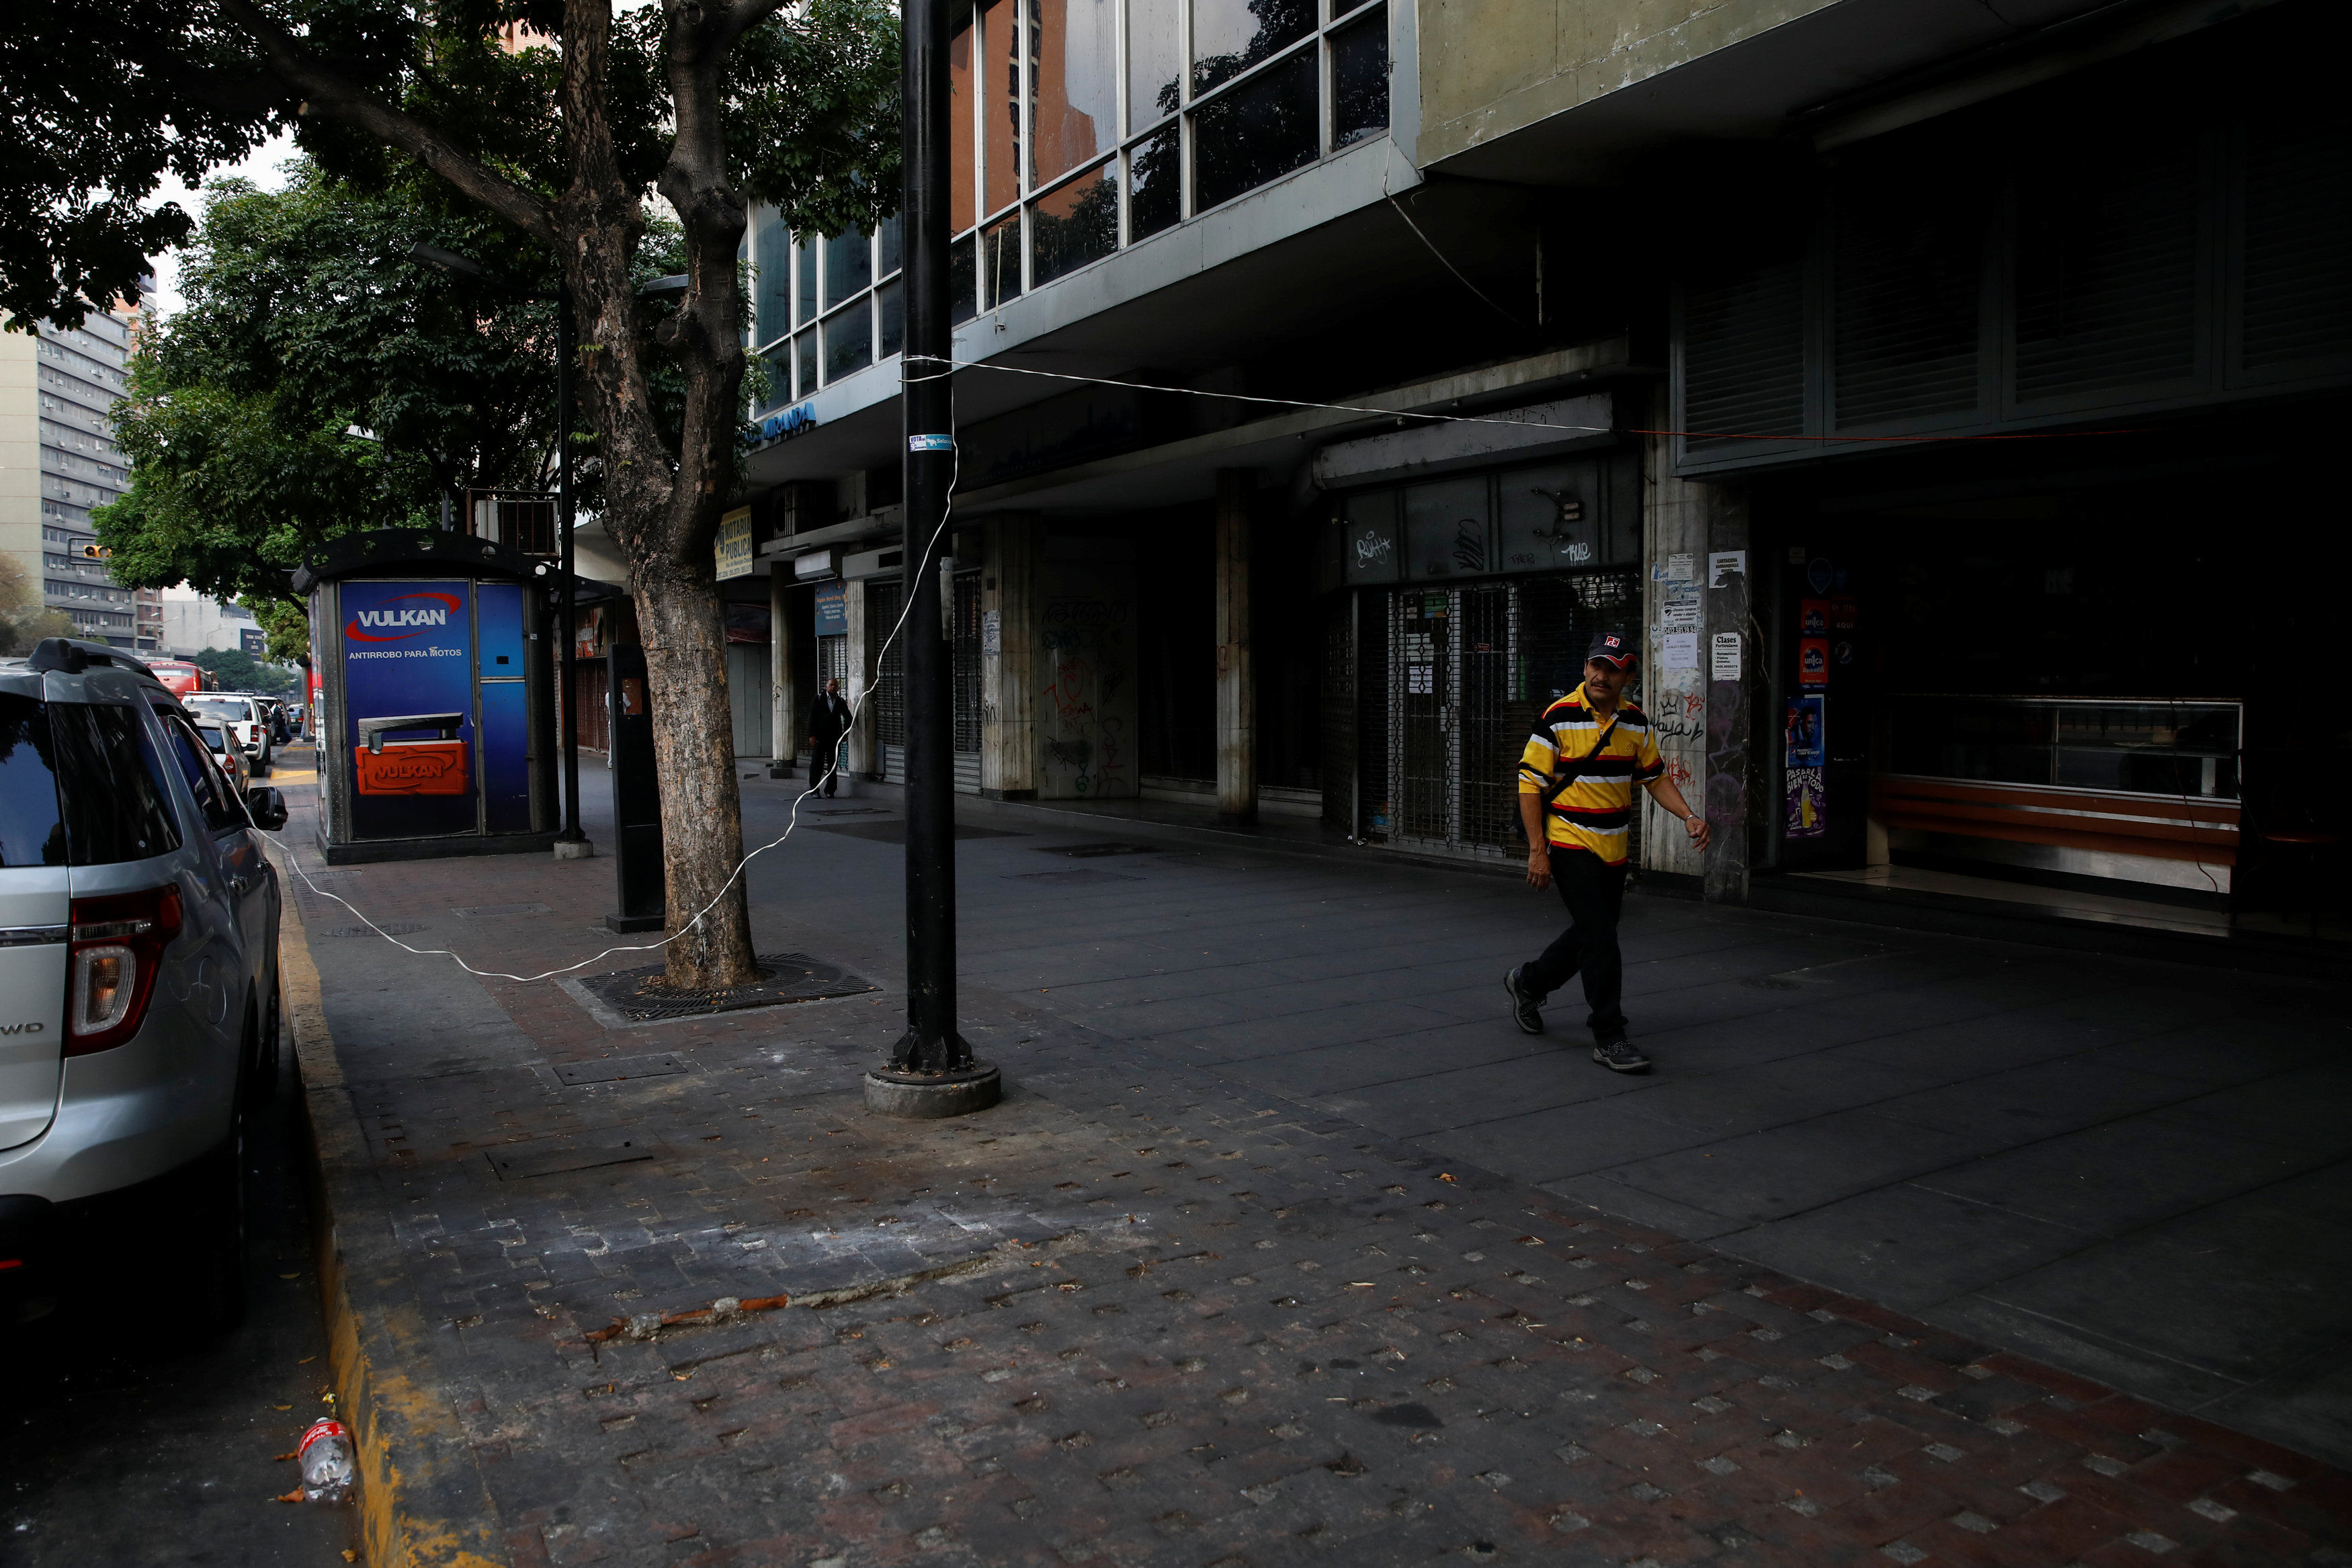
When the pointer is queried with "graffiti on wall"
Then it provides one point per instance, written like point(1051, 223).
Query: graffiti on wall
point(1088, 712)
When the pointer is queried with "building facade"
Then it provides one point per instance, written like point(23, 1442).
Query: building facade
point(57, 391)
point(1916, 386)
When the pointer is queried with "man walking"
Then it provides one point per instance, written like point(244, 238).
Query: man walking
point(829, 722)
point(1597, 746)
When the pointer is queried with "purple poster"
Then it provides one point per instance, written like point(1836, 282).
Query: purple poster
point(1807, 804)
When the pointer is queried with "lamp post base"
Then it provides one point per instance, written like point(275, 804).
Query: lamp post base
point(575, 849)
point(931, 1096)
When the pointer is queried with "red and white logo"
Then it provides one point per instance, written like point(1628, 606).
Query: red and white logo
point(417, 619)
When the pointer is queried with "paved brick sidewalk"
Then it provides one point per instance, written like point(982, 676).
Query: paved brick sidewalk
point(1141, 1314)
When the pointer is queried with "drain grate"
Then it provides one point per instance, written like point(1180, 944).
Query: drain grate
point(520, 1160)
point(390, 928)
point(489, 911)
point(1072, 878)
point(639, 996)
point(619, 1069)
point(1094, 852)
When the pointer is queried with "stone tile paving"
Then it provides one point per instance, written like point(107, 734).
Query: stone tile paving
point(1144, 1314)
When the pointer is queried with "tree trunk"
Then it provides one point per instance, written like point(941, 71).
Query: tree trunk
point(684, 629)
point(664, 515)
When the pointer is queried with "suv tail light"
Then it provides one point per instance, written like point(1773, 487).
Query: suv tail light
point(118, 945)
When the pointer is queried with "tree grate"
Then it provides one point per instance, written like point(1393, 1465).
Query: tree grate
point(639, 996)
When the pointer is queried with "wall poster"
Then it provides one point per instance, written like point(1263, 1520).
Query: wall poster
point(1808, 815)
point(408, 707)
point(1805, 743)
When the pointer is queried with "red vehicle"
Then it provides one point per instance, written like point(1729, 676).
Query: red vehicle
point(179, 677)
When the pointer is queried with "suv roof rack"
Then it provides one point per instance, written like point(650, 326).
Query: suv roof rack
point(73, 655)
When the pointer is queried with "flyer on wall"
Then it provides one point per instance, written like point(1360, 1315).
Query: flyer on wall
point(1805, 741)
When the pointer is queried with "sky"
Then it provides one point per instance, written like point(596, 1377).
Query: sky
point(261, 168)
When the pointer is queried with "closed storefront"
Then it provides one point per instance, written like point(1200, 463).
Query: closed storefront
point(1472, 596)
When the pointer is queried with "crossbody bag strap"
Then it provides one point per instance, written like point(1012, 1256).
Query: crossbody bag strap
point(1570, 775)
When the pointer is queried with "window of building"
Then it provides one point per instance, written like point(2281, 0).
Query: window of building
point(1078, 127)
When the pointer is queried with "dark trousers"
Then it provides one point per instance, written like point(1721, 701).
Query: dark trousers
point(821, 758)
point(1593, 893)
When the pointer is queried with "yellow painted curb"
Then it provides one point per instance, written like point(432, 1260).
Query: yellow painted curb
point(421, 1502)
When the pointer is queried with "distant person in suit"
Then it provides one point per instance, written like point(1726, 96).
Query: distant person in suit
point(829, 722)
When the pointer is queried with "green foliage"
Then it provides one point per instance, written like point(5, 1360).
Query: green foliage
point(238, 671)
point(289, 625)
point(99, 97)
point(318, 381)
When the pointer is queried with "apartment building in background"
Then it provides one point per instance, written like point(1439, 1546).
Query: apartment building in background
point(58, 461)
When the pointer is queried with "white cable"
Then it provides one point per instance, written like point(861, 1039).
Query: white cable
point(1395, 414)
point(954, 474)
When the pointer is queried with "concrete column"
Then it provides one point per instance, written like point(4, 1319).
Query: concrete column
point(1732, 657)
point(1236, 688)
point(786, 706)
point(1012, 555)
point(1674, 693)
point(863, 758)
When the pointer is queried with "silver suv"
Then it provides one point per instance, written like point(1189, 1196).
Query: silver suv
point(242, 719)
point(139, 1001)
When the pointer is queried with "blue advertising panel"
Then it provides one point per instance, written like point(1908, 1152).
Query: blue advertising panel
point(506, 711)
point(408, 707)
point(832, 611)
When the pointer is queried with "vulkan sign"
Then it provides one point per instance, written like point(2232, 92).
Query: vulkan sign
point(390, 625)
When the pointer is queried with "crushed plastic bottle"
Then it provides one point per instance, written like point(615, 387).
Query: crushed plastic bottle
point(327, 1461)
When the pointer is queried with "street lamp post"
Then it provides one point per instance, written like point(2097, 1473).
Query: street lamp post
point(932, 1072)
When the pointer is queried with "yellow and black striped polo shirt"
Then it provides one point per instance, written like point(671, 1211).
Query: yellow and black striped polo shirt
point(1593, 813)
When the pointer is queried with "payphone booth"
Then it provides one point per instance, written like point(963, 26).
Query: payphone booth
point(437, 689)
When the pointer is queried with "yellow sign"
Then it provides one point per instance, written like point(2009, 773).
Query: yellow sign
point(735, 544)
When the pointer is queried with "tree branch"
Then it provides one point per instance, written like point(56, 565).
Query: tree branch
point(329, 95)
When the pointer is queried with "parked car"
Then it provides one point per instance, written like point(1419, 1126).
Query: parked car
point(226, 752)
point(138, 983)
point(242, 717)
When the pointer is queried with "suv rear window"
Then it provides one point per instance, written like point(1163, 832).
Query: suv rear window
point(79, 785)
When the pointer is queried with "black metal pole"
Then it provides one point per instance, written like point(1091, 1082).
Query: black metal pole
point(567, 664)
point(932, 1044)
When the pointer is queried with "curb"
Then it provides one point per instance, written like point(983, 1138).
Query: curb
point(423, 1502)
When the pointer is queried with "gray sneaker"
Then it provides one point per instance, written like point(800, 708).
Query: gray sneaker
point(1620, 1055)
point(1526, 1008)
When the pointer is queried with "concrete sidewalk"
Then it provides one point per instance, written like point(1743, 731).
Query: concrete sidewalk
point(1241, 1081)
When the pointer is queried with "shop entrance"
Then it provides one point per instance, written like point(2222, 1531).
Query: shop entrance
point(1468, 669)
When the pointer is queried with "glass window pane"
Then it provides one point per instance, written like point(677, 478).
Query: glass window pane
point(963, 172)
point(1341, 7)
point(1075, 224)
point(999, 104)
point(1154, 60)
point(805, 295)
point(771, 255)
point(1359, 80)
point(893, 247)
point(1155, 188)
point(804, 363)
point(893, 319)
point(1231, 35)
point(963, 282)
point(1263, 129)
point(1000, 263)
point(848, 266)
point(849, 339)
point(1074, 50)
